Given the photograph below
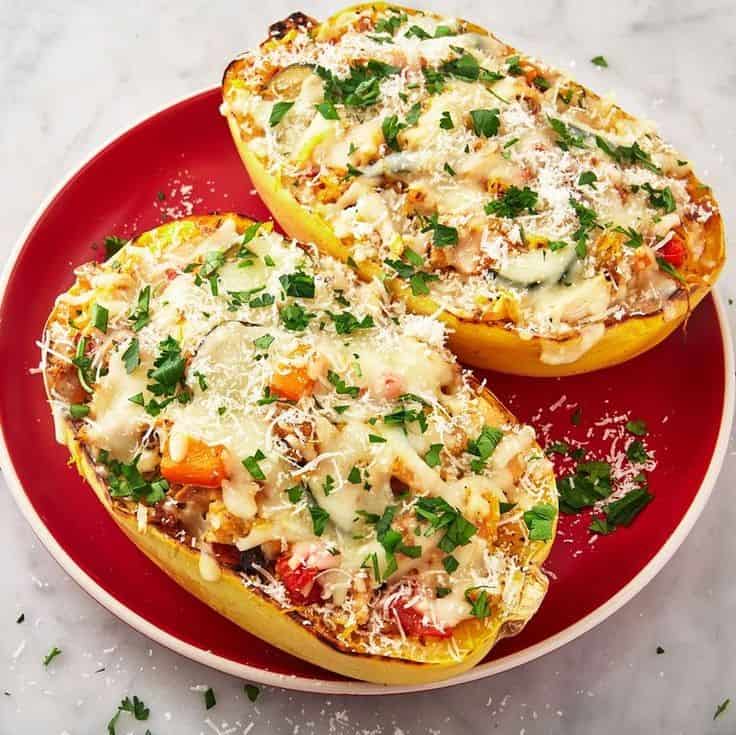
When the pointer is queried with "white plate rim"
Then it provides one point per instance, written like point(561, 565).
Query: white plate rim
point(304, 684)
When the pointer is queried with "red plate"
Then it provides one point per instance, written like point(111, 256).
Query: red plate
point(683, 389)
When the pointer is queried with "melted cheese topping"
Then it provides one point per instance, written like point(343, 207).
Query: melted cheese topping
point(319, 467)
point(378, 193)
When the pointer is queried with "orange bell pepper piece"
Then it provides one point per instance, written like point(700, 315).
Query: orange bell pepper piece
point(202, 465)
point(293, 384)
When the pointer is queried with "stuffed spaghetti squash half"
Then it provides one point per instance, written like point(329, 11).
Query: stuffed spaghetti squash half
point(298, 452)
point(551, 231)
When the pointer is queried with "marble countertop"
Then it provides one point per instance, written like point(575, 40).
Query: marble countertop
point(75, 73)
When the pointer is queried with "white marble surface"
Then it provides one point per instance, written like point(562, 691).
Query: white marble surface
point(74, 73)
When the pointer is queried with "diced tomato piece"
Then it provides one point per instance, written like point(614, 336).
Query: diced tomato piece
point(299, 582)
point(412, 621)
point(674, 251)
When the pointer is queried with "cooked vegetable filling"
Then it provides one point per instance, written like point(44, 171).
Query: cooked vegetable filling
point(492, 183)
point(286, 420)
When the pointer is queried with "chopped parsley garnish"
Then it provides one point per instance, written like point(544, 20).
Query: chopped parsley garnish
point(587, 178)
point(140, 316)
point(100, 316)
point(201, 380)
point(434, 80)
point(391, 24)
point(376, 439)
point(209, 699)
point(661, 198)
point(346, 323)
point(299, 285)
point(448, 169)
point(483, 447)
point(622, 512)
point(555, 245)
point(439, 32)
point(541, 83)
point(251, 464)
point(465, 66)
point(361, 88)
point(558, 447)
point(442, 235)
point(403, 417)
point(295, 317)
point(83, 363)
point(627, 154)
point(391, 127)
point(721, 708)
point(441, 592)
point(442, 516)
point(590, 483)
point(450, 563)
point(113, 245)
point(599, 61)
point(505, 507)
point(269, 398)
point(513, 67)
point(637, 427)
point(78, 410)
point(480, 606)
point(417, 279)
point(636, 452)
point(264, 341)
point(250, 232)
point(136, 707)
point(566, 139)
point(295, 493)
point(587, 220)
point(319, 519)
point(513, 202)
point(635, 239)
point(278, 111)
point(412, 117)
point(417, 32)
point(390, 539)
point(341, 388)
point(327, 110)
point(329, 485)
point(126, 481)
point(446, 121)
point(213, 261)
point(432, 457)
point(131, 356)
point(539, 521)
point(252, 691)
point(168, 368)
point(265, 299)
point(485, 122)
point(354, 476)
point(576, 416)
point(138, 399)
point(670, 270)
point(51, 655)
